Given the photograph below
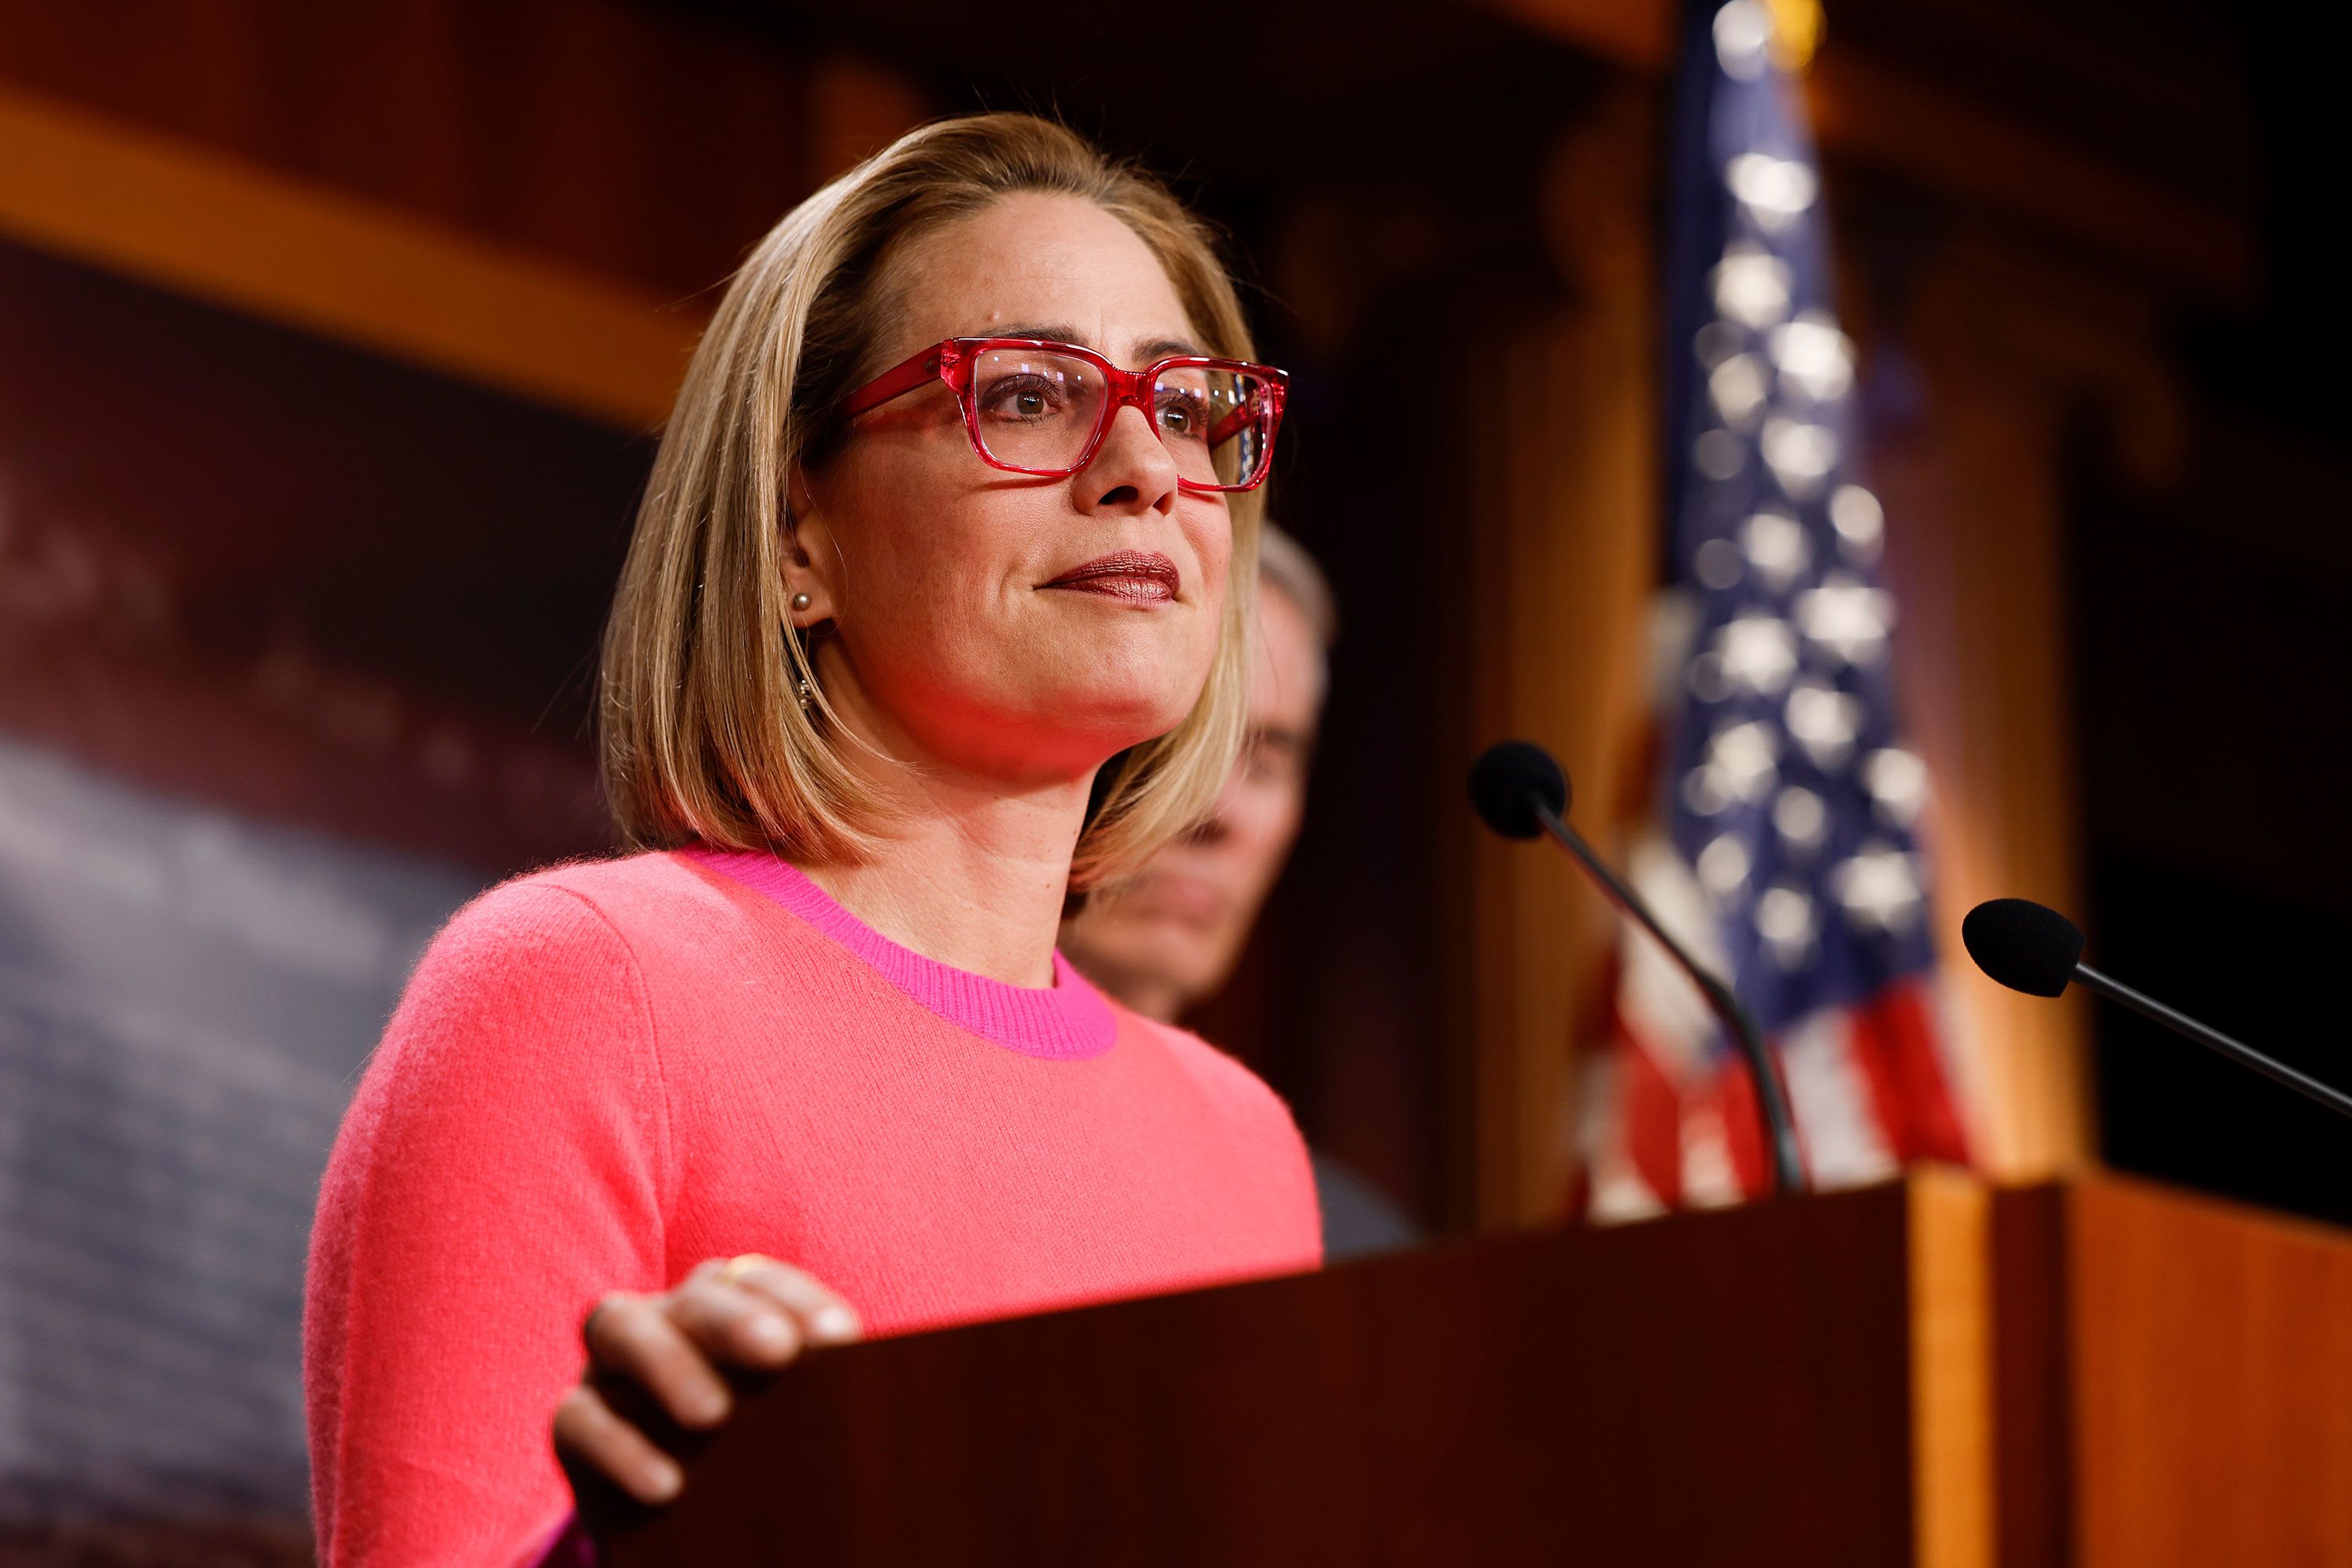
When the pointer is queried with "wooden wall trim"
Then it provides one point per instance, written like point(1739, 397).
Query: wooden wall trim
point(221, 230)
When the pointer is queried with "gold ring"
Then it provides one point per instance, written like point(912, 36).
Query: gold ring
point(743, 1263)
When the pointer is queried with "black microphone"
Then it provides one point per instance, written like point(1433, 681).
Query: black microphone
point(2030, 948)
point(1521, 793)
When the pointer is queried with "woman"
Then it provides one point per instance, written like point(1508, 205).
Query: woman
point(808, 1065)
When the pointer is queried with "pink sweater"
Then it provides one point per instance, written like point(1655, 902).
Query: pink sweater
point(603, 1073)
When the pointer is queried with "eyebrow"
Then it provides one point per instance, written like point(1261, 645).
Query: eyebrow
point(1145, 350)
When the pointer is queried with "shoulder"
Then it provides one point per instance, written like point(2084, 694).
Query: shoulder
point(526, 933)
point(587, 916)
point(1225, 1080)
point(530, 950)
point(526, 1023)
point(624, 895)
point(635, 945)
point(543, 960)
point(535, 912)
point(1273, 1177)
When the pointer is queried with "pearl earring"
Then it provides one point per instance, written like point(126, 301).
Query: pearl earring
point(800, 601)
point(807, 697)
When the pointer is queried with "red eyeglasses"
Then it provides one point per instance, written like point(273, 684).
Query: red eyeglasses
point(1032, 406)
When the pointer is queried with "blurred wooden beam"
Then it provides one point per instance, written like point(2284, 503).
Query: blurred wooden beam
point(168, 212)
point(1638, 33)
point(1870, 116)
point(1873, 117)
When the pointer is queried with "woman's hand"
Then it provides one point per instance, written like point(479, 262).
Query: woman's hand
point(657, 1361)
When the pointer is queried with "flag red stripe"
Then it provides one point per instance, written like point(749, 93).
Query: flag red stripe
point(1734, 1093)
point(1649, 1116)
point(1894, 1042)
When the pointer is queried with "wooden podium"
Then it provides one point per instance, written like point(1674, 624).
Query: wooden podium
point(2103, 1373)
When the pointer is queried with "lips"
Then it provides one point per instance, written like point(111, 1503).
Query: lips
point(1144, 576)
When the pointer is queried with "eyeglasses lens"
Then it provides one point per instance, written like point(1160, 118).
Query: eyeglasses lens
point(1212, 421)
point(1038, 410)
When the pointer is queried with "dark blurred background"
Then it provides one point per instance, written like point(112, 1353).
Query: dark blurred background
point(332, 340)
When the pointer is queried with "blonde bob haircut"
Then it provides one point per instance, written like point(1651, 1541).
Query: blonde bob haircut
point(703, 736)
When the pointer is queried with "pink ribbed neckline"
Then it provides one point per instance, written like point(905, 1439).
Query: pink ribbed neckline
point(1066, 1021)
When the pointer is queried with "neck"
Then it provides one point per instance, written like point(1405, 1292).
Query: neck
point(978, 886)
point(971, 871)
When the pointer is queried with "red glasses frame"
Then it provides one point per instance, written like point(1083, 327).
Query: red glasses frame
point(953, 358)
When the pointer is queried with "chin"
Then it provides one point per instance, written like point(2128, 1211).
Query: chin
point(1121, 716)
point(1052, 709)
point(1149, 661)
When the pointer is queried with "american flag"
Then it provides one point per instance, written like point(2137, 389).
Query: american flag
point(1784, 845)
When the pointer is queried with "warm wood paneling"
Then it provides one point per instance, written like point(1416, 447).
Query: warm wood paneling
point(2006, 350)
point(1729, 1387)
point(2033, 1472)
point(640, 141)
point(1868, 115)
point(1950, 1227)
point(2212, 1381)
point(542, 195)
point(1564, 526)
point(1980, 146)
point(2102, 1373)
point(2174, 1379)
point(173, 213)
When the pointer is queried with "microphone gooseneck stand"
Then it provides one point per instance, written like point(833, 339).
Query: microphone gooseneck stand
point(1780, 1127)
point(2032, 948)
point(2243, 1054)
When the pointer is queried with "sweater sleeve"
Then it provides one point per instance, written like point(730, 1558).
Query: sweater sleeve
point(504, 1162)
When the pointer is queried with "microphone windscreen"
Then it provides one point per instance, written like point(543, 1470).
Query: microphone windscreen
point(2026, 946)
point(1508, 781)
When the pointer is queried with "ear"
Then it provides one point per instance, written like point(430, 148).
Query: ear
point(810, 564)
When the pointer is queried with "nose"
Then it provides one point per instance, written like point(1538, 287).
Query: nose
point(1133, 473)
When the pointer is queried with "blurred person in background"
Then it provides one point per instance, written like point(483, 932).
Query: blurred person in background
point(953, 512)
point(1167, 940)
